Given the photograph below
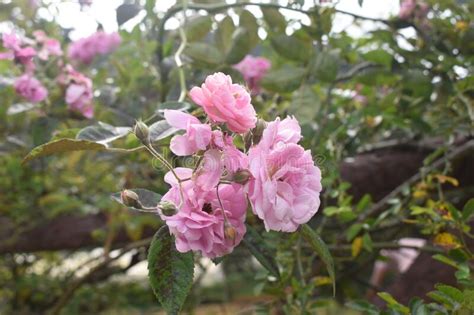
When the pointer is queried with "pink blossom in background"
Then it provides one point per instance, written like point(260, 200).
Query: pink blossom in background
point(253, 70)
point(413, 9)
point(200, 224)
point(99, 43)
point(23, 55)
point(79, 92)
point(285, 189)
point(30, 88)
point(49, 46)
point(225, 102)
point(197, 136)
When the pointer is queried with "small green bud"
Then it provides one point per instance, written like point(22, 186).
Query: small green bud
point(241, 176)
point(130, 199)
point(167, 208)
point(141, 132)
point(254, 136)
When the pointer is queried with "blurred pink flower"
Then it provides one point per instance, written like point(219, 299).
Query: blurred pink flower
point(203, 219)
point(30, 88)
point(78, 92)
point(253, 69)
point(285, 190)
point(197, 136)
point(99, 43)
point(225, 102)
point(413, 9)
point(49, 46)
point(23, 55)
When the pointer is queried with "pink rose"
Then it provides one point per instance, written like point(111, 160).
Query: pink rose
point(202, 220)
point(232, 158)
point(285, 190)
point(79, 92)
point(225, 102)
point(253, 69)
point(30, 88)
point(99, 43)
point(197, 136)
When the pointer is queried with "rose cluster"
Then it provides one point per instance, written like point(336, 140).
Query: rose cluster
point(29, 53)
point(210, 202)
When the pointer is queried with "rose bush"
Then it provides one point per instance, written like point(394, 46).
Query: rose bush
point(296, 155)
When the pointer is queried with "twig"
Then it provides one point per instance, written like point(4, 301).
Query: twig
point(71, 289)
point(379, 206)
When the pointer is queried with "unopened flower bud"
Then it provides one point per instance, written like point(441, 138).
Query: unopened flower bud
point(257, 132)
point(141, 132)
point(167, 208)
point(241, 177)
point(229, 232)
point(130, 199)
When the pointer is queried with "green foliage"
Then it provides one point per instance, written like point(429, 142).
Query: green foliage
point(170, 272)
point(318, 245)
point(63, 145)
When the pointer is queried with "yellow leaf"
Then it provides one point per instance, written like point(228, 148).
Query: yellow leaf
point(461, 26)
point(447, 240)
point(447, 179)
point(318, 281)
point(419, 194)
point(356, 246)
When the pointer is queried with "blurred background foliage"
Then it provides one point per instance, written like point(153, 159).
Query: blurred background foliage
point(387, 114)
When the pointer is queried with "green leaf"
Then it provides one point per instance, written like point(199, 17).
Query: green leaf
point(170, 272)
point(286, 79)
point(63, 145)
point(353, 231)
point(452, 292)
point(240, 47)
point(326, 66)
point(274, 19)
point(160, 130)
point(146, 197)
point(174, 105)
point(468, 210)
point(321, 248)
point(204, 53)
point(102, 133)
point(363, 306)
point(198, 27)
point(367, 242)
point(305, 104)
point(260, 250)
point(223, 35)
point(291, 47)
point(126, 11)
point(248, 21)
point(379, 56)
point(393, 303)
point(417, 307)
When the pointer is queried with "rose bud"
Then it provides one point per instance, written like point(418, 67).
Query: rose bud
point(229, 232)
point(141, 132)
point(130, 199)
point(167, 208)
point(241, 176)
